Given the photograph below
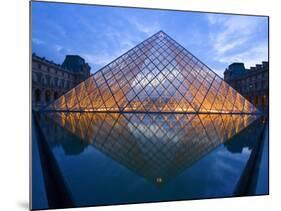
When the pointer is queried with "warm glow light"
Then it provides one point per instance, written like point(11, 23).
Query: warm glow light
point(163, 77)
point(189, 137)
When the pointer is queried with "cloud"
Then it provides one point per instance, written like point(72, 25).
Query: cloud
point(111, 49)
point(218, 71)
point(147, 28)
point(101, 37)
point(58, 29)
point(37, 41)
point(232, 31)
point(99, 59)
point(116, 42)
point(236, 39)
point(104, 57)
point(222, 47)
point(251, 57)
point(58, 48)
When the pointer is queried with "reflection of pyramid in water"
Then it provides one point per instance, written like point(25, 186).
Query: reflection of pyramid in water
point(158, 75)
point(155, 146)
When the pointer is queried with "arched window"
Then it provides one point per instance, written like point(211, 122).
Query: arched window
point(37, 95)
point(47, 96)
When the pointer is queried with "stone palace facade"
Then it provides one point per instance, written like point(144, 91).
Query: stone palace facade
point(252, 83)
point(50, 80)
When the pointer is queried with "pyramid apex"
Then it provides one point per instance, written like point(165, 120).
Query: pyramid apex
point(161, 33)
point(157, 75)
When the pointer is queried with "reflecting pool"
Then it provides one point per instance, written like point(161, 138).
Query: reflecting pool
point(113, 158)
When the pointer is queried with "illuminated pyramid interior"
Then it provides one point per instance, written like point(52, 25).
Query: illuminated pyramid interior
point(158, 75)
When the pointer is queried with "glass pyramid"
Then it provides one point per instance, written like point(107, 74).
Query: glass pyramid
point(158, 75)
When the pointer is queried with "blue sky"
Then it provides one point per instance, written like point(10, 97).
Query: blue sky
point(100, 34)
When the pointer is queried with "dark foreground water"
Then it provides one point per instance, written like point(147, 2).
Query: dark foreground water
point(99, 159)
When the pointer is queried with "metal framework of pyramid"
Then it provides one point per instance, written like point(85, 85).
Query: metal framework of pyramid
point(158, 75)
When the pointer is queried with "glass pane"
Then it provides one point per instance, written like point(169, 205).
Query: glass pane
point(162, 76)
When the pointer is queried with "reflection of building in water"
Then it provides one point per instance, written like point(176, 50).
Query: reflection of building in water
point(154, 146)
point(58, 137)
point(251, 134)
point(158, 75)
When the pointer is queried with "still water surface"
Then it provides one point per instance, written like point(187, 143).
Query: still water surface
point(128, 158)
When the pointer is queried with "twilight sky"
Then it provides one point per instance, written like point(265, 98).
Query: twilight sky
point(100, 34)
